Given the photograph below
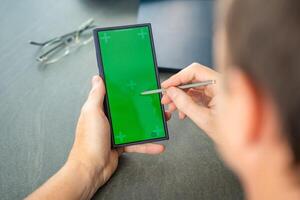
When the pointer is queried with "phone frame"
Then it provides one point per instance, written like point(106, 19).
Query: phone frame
point(102, 75)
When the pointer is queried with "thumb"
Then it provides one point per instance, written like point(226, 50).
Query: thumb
point(184, 103)
point(97, 93)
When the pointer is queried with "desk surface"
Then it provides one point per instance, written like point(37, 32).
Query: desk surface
point(39, 107)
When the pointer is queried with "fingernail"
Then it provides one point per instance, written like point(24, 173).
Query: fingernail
point(95, 79)
point(162, 99)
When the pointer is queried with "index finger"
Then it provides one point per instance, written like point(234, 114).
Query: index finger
point(193, 73)
point(149, 148)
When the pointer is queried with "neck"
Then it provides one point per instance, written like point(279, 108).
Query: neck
point(272, 180)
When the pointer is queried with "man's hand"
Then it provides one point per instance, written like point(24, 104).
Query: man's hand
point(91, 161)
point(196, 103)
point(92, 146)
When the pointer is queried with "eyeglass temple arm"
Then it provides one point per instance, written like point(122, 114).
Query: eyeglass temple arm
point(63, 36)
point(51, 40)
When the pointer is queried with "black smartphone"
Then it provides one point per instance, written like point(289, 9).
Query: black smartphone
point(127, 63)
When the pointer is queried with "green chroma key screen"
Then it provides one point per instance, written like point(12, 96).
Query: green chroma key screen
point(127, 63)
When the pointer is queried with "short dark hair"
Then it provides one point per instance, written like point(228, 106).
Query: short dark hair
point(263, 38)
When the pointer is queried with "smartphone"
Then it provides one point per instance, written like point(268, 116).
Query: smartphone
point(127, 63)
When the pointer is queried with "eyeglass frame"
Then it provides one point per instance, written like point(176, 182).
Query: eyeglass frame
point(63, 42)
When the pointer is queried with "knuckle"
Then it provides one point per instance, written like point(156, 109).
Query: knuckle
point(194, 66)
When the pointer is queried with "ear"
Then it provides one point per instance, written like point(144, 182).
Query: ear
point(245, 100)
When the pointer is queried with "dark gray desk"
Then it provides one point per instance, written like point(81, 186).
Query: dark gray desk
point(39, 109)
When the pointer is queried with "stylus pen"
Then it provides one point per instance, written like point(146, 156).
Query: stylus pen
point(192, 85)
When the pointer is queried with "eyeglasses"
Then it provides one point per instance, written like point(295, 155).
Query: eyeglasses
point(55, 49)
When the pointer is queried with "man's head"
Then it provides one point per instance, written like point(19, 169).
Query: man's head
point(257, 47)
